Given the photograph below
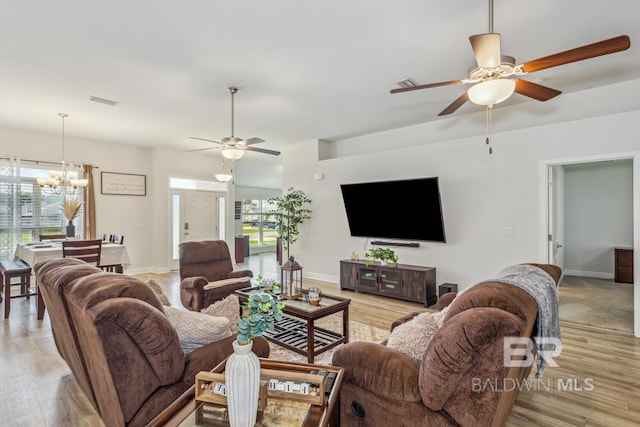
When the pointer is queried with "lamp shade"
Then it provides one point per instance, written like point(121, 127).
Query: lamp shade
point(232, 153)
point(491, 92)
point(223, 177)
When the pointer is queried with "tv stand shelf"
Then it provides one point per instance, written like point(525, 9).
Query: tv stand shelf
point(402, 281)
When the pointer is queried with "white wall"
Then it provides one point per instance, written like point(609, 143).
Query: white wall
point(598, 216)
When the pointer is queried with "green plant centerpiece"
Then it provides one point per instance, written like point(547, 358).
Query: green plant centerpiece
point(291, 212)
point(384, 255)
point(260, 313)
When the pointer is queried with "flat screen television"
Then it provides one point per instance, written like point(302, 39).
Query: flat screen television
point(407, 209)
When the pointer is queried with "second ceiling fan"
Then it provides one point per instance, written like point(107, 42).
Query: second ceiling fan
point(496, 77)
point(233, 147)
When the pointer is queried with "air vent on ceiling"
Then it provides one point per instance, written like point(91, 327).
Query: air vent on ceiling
point(103, 100)
point(406, 83)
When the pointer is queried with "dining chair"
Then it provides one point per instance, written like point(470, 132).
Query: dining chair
point(44, 237)
point(87, 250)
point(118, 239)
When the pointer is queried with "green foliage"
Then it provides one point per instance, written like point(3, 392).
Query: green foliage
point(291, 212)
point(383, 254)
point(261, 311)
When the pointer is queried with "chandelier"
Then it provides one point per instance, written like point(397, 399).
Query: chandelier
point(63, 180)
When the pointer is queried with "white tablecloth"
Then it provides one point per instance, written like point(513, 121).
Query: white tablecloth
point(32, 253)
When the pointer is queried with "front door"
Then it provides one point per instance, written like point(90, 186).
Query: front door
point(194, 217)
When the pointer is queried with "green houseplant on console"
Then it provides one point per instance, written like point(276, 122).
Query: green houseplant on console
point(242, 371)
point(384, 255)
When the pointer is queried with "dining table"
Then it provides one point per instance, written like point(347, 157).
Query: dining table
point(32, 253)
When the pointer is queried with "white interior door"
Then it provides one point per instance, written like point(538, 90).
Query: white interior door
point(556, 215)
point(194, 216)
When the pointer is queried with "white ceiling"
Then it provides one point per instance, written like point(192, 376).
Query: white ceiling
point(305, 70)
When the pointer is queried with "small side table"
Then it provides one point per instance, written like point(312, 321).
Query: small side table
point(447, 287)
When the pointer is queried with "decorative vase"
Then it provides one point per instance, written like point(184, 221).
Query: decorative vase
point(71, 229)
point(242, 378)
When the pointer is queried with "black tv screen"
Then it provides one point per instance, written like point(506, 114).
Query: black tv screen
point(404, 209)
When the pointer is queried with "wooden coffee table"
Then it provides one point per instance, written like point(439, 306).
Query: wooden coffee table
point(186, 411)
point(297, 331)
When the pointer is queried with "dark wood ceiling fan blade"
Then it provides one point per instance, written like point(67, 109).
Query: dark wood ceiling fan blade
point(252, 141)
point(427, 86)
point(455, 105)
point(535, 91)
point(204, 139)
point(593, 50)
point(263, 150)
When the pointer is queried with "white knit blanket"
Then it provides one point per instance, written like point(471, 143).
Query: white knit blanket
point(541, 286)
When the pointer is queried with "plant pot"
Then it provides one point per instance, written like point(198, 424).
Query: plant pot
point(242, 378)
point(71, 229)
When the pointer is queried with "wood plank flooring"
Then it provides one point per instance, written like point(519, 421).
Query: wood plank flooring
point(39, 390)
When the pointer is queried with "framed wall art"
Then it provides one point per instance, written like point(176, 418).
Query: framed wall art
point(124, 184)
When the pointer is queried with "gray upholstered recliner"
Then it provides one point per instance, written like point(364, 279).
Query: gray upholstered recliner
point(206, 273)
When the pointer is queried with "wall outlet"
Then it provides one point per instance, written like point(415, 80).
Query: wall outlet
point(507, 231)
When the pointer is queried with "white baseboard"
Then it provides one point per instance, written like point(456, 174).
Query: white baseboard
point(322, 277)
point(595, 274)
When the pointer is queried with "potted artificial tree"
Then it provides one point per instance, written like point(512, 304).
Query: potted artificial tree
point(291, 212)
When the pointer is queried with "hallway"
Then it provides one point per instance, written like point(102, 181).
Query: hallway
point(596, 302)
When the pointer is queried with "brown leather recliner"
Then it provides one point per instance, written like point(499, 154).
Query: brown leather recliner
point(112, 331)
point(462, 379)
point(206, 273)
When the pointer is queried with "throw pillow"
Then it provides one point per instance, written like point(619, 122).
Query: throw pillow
point(412, 337)
point(158, 290)
point(228, 307)
point(195, 329)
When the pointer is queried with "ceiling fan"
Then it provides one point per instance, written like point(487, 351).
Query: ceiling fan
point(496, 77)
point(233, 147)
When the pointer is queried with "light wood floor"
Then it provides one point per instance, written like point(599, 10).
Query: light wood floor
point(39, 390)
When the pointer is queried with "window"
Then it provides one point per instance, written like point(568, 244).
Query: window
point(258, 223)
point(26, 211)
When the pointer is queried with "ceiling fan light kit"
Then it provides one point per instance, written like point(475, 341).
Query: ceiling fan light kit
point(232, 153)
point(490, 92)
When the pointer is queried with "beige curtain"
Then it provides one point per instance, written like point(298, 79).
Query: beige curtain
point(89, 204)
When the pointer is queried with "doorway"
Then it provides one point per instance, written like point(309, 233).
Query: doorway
point(590, 211)
point(195, 215)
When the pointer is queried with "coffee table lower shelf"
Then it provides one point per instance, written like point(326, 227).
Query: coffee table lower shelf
point(293, 334)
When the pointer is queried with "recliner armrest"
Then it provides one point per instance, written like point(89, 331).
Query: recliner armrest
point(241, 273)
point(197, 282)
point(379, 370)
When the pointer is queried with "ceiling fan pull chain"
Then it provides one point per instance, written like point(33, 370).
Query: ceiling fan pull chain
point(488, 129)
